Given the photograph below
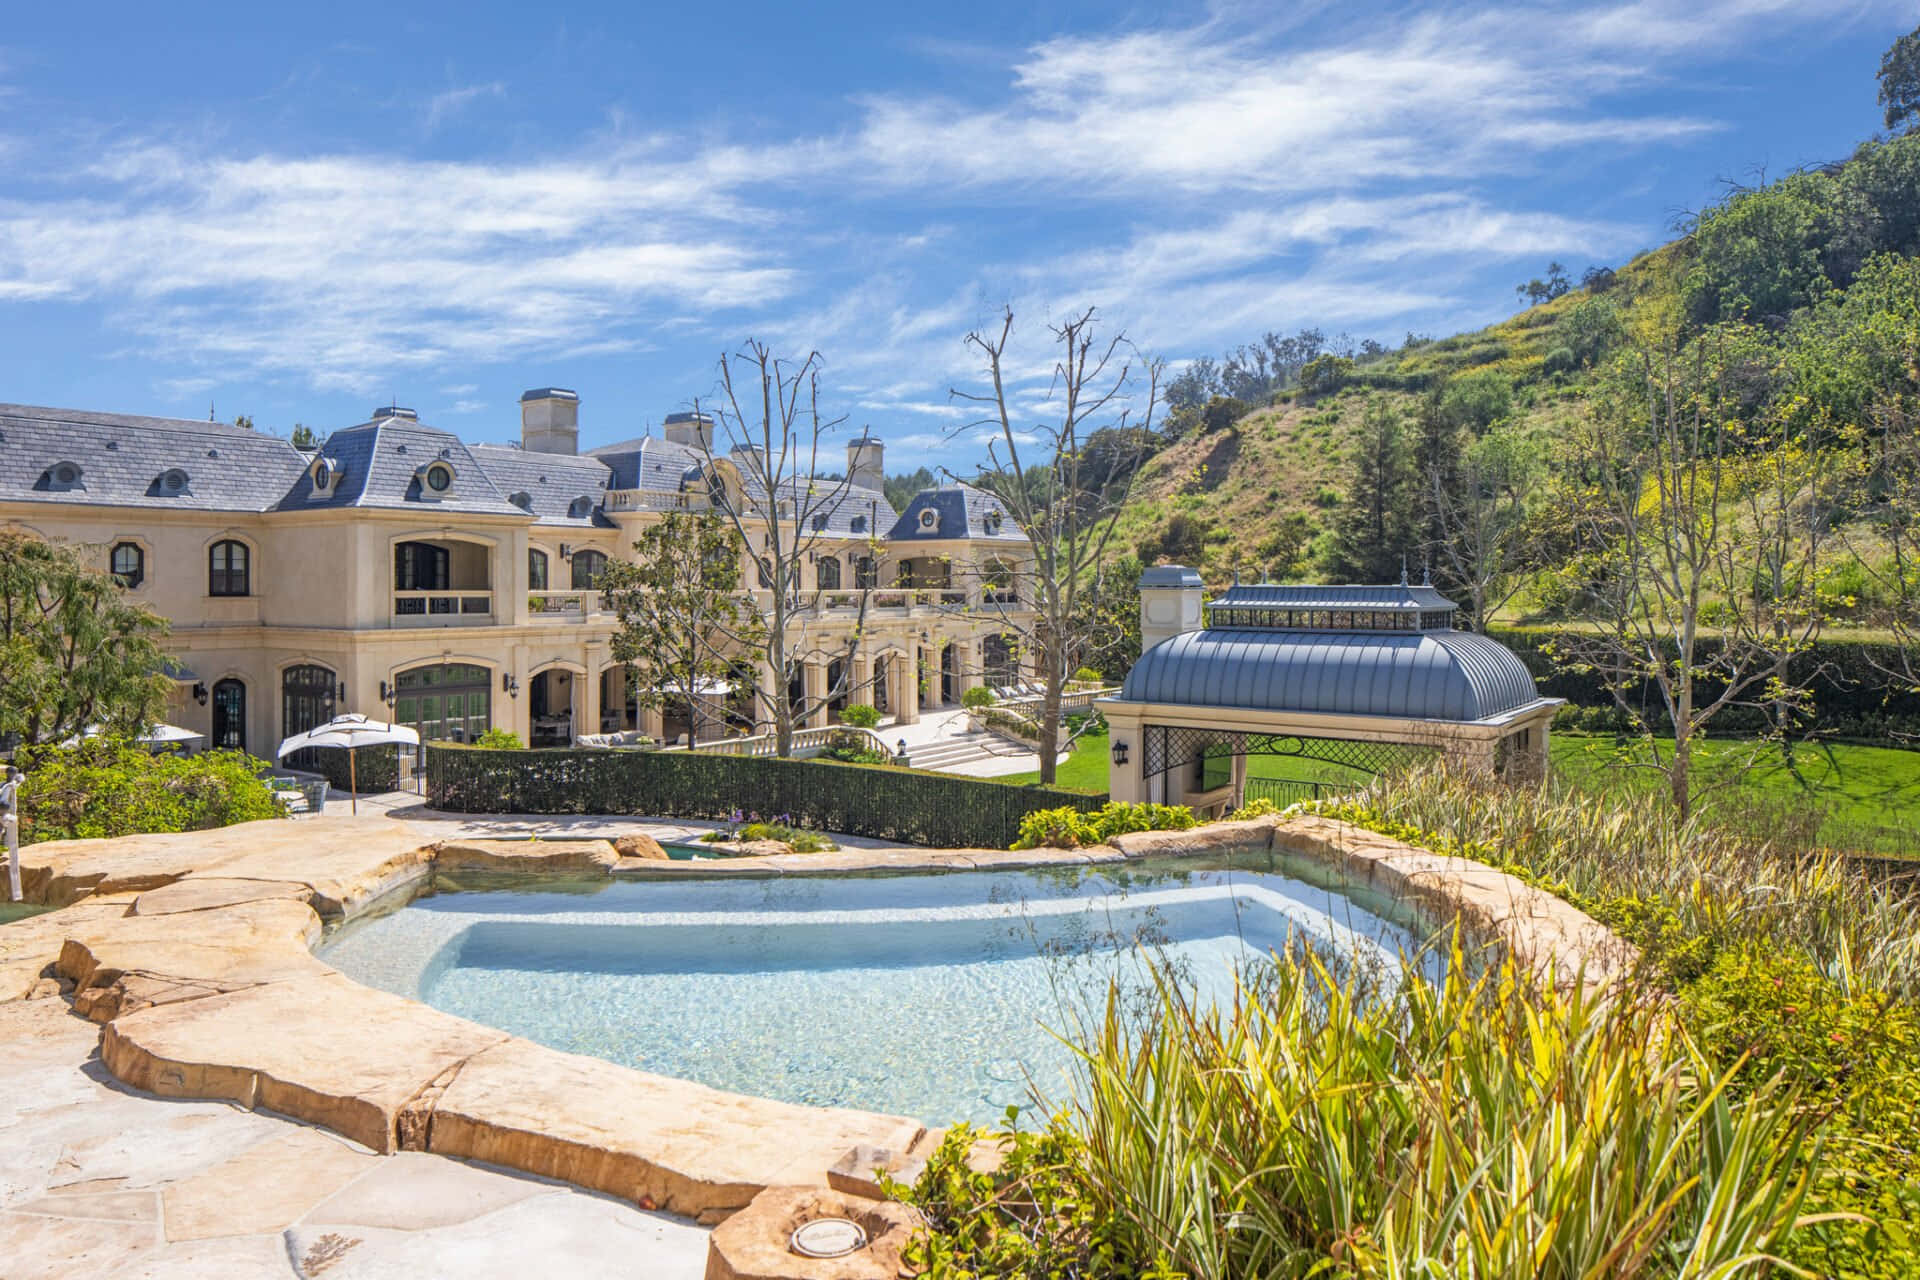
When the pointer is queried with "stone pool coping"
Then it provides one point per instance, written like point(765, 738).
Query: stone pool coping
point(195, 952)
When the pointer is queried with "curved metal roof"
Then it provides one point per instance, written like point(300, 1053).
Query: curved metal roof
point(1431, 675)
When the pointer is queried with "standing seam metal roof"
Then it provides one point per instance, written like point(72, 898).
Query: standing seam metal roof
point(1433, 675)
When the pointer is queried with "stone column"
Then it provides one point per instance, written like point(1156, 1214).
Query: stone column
point(906, 687)
point(969, 660)
point(814, 681)
point(862, 687)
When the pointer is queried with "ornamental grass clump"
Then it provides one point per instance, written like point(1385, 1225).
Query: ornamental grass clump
point(1474, 1127)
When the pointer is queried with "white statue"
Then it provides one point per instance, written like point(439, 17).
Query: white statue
point(10, 820)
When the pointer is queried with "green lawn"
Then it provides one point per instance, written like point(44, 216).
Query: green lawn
point(1852, 797)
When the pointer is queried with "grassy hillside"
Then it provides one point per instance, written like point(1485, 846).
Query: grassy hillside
point(1815, 279)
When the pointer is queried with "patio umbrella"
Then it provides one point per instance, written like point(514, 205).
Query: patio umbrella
point(351, 732)
point(161, 735)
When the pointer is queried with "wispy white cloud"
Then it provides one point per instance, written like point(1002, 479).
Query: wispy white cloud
point(448, 103)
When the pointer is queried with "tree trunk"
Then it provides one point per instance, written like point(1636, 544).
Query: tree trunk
point(1050, 730)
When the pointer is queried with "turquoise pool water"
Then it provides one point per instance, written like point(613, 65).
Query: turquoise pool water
point(935, 996)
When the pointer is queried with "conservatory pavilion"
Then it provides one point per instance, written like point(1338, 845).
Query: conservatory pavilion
point(1295, 691)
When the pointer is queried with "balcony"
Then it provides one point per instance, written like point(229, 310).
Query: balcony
point(442, 608)
point(562, 606)
point(895, 602)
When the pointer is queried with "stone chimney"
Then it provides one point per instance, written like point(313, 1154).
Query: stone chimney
point(1169, 603)
point(550, 420)
point(866, 463)
point(695, 430)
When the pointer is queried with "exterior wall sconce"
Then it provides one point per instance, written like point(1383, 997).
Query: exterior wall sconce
point(1119, 753)
point(388, 694)
point(340, 695)
point(200, 693)
point(566, 551)
point(509, 684)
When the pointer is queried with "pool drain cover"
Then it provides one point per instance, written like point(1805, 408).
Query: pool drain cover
point(827, 1238)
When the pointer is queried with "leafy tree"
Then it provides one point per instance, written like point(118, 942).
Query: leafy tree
point(681, 610)
point(1476, 400)
point(1099, 384)
point(1283, 553)
point(1598, 279)
point(1480, 513)
point(901, 489)
point(1591, 329)
point(74, 655)
point(1900, 82)
point(1536, 291)
point(1222, 412)
point(1323, 375)
point(304, 437)
point(1375, 532)
point(1182, 541)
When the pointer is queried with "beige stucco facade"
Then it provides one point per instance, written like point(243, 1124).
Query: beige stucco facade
point(322, 595)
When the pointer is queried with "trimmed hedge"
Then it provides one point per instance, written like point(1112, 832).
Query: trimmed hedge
point(1852, 696)
point(375, 768)
point(884, 802)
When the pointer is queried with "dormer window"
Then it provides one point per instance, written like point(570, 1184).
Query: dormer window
point(993, 522)
point(819, 523)
point(170, 483)
point(436, 480)
point(326, 475)
point(580, 508)
point(522, 500)
point(61, 476)
point(929, 520)
point(859, 524)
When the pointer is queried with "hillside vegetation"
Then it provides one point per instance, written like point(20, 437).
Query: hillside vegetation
point(1799, 301)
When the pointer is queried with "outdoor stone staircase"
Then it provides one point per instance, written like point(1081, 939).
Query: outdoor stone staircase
point(952, 750)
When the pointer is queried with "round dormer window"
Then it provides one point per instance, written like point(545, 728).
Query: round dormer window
point(928, 519)
point(66, 473)
point(173, 481)
point(323, 474)
point(993, 522)
point(439, 479)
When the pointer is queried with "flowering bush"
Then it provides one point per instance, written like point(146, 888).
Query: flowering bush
point(115, 787)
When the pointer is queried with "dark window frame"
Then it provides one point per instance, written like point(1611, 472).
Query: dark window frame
point(132, 577)
point(230, 569)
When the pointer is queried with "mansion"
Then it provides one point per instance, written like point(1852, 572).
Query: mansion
point(398, 572)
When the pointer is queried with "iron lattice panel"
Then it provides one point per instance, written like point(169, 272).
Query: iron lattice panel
point(1170, 747)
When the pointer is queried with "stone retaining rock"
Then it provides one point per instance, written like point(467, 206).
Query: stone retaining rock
point(639, 844)
point(535, 857)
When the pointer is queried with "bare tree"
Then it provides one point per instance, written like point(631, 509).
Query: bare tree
point(1480, 513)
point(1701, 547)
point(765, 482)
point(1062, 491)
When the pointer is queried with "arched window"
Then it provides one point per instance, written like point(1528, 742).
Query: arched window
point(587, 568)
point(129, 564)
point(536, 569)
point(307, 696)
point(229, 570)
point(866, 574)
point(230, 713)
point(998, 584)
point(829, 574)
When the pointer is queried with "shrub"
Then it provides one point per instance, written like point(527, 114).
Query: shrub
point(885, 802)
point(977, 697)
point(1069, 828)
point(799, 839)
point(500, 740)
point(1560, 360)
point(1087, 675)
point(115, 787)
point(861, 716)
point(1471, 1128)
point(1259, 807)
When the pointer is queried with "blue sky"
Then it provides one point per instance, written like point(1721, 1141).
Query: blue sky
point(298, 212)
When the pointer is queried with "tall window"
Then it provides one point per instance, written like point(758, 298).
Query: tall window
point(129, 564)
point(230, 712)
point(420, 566)
point(306, 701)
point(536, 570)
point(227, 569)
point(866, 574)
point(829, 574)
point(587, 568)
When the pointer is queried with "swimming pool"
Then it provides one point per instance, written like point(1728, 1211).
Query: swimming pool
point(937, 996)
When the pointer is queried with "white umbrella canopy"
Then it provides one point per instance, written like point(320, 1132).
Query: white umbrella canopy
point(349, 731)
point(164, 733)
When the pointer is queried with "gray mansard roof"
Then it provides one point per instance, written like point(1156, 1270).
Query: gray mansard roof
point(121, 459)
point(380, 464)
point(1431, 675)
point(134, 461)
point(959, 511)
point(556, 485)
